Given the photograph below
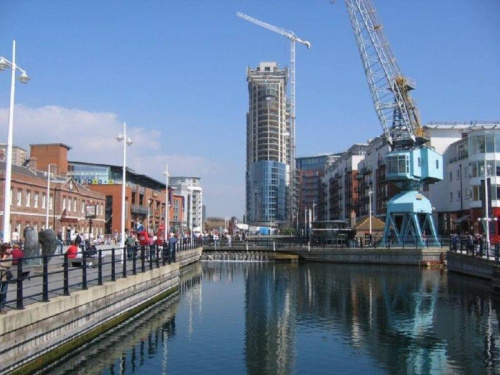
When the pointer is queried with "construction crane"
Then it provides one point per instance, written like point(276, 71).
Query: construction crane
point(293, 39)
point(411, 162)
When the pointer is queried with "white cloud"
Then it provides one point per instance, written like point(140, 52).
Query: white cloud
point(91, 136)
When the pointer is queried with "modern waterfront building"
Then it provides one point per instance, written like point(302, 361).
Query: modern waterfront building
point(310, 171)
point(458, 201)
point(19, 155)
point(144, 196)
point(269, 196)
point(192, 192)
point(341, 185)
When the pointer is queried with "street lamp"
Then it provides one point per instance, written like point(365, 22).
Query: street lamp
point(486, 205)
point(167, 205)
point(126, 142)
point(370, 192)
point(48, 196)
point(23, 78)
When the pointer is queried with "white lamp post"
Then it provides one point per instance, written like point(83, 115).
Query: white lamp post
point(167, 206)
point(370, 192)
point(23, 78)
point(486, 219)
point(48, 197)
point(126, 142)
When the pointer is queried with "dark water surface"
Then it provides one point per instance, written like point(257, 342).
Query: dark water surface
point(269, 318)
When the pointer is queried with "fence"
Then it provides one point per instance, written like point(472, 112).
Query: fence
point(37, 279)
point(475, 247)
point(409, 242)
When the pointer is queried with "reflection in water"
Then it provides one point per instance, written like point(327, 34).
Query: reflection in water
point(268, 318)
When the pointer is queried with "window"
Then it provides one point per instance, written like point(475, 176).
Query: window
point(19, 197)
point(83, 207)
point(64, 204)
point(35, 200)
point(459, 195)
point(74, 204)
point(437, 164)
point(44, 199)
point(451, 196)
point(451, 176)
point(28, 198)
point(51, 202)
point(458, 174)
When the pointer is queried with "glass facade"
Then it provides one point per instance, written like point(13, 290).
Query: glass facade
point(484, 145)
point(93, 174)
point(267, 192)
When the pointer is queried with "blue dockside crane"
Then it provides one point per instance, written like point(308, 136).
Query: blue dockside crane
point(411, 162)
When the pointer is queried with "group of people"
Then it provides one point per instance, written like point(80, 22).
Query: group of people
point(473, 244)
point(10, 256)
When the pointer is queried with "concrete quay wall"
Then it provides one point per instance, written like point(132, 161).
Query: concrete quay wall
point(396, 256)
point(469, 265)
point(35, 336)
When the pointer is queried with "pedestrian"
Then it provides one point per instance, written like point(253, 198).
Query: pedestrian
point(72, 250)
point(228, 237)
point(15, 236)
point(60, 242)
point(130, 243)
point(17, 254)
point(5, 265)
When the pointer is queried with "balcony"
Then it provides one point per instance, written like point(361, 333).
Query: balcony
point(138, 209)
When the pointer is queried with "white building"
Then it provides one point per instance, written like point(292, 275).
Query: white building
point(191, 190)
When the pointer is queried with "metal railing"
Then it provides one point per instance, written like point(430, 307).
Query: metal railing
point(409, 242)
point(474, 247)
point(38, 279)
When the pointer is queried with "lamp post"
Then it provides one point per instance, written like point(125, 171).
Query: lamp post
point(126, 142)
point(486, 219)
point(370, 192)
point(48, 197)
point(167, 205)
point(23, 78)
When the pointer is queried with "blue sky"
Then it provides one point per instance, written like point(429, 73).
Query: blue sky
point(175, 71)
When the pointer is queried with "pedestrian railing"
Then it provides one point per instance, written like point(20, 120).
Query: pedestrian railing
point(283, 243)
point(38, 279)
point(474, 247)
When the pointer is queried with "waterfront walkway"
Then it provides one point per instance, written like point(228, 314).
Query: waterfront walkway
point(57, 275)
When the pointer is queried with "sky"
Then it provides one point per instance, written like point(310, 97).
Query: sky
point(175, 72)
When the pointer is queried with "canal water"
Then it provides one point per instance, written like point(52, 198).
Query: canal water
point(275, 318)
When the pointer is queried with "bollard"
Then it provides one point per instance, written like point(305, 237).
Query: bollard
point(246, 245)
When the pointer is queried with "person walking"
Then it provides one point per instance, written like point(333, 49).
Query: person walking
point(15, 236)
point(5, 265)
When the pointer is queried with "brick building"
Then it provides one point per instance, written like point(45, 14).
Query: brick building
point(144, 196)
point(67, 201)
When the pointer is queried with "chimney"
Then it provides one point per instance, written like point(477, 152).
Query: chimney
point(32, 164)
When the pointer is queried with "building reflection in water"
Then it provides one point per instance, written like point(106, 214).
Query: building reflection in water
point(130, 346)
point(408, 320)
point(394, 320)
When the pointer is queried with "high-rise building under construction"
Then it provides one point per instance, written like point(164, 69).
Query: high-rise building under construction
point(268, 147)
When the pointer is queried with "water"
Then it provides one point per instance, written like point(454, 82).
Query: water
point(271, 318)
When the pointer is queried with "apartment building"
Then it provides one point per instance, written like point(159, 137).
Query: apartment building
point(269, 192)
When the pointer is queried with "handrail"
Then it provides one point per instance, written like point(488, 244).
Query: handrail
point(38, 279)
